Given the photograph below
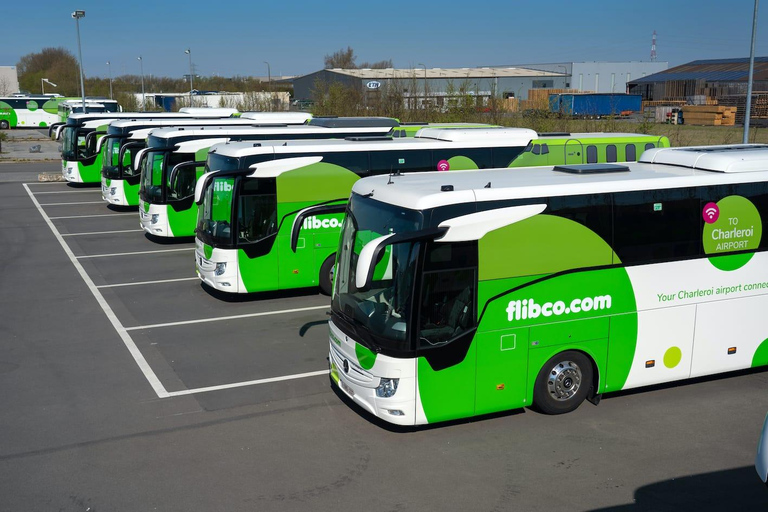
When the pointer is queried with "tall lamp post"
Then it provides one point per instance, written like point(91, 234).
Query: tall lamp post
point(188, 51)
point(109, 67)
point(748, 108)
point(425, 84)
point(77, 15)
point(143, 99)
point(269, 84)
point(44, 81)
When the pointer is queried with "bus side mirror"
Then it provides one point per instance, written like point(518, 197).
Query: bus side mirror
point(139, 157)
point(323, 209)
point(201, 185)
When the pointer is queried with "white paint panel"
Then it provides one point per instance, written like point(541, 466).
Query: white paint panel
point(736, 323)
point(658, 331)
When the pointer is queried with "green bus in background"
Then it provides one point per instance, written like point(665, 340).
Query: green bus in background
point(31, 111)
point(465, 294)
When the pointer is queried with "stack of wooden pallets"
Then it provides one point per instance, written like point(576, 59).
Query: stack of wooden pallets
point(709, 115)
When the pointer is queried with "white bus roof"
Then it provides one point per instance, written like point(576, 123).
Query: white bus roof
point(277, 117)
point(506, 137)
point(208, 112)
point(424, 190)
point(277, 131)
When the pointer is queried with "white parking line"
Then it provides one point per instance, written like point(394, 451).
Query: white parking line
point(222, 318)
point(68, 191)
point(157, 386)
point(141, 283)
point(103, 232)
point(91, 216)
point(248, 383)
point(75, 202)
point(138, 357)
point(133, 253)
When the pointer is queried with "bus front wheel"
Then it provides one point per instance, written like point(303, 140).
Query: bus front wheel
point(563, 383)
point(326, 274)
point(4, 125)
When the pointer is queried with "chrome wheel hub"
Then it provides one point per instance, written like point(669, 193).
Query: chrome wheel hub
point(564, 380)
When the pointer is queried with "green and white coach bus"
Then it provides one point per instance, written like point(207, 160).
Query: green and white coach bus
point(461, 294)
point(124, 139)
point(81, 163)
point(256, 255)
point(167, 206)
point(248, 205)
point(32, 111)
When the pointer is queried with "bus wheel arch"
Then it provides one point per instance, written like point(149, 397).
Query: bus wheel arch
point(564, 382)
point(326, 274)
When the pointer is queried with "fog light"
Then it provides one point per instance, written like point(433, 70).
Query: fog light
point(220, 269)
point(396, 412)
point(387, 387)
point(113, 191)
point(155, 218)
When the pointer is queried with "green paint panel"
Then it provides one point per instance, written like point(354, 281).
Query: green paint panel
point(207, 251)
point(90, 173)
point(366, 357)
point(738, 227)
point(7, 113)
point(450, 393)
point(182, 222)
point(761, 355)
point(542, 244)
point(131, 193)
point(315, 183)
point(502, 360)
point(461, 163)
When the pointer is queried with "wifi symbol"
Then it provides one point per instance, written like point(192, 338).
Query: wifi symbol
point(443, 165)
point(711, 213)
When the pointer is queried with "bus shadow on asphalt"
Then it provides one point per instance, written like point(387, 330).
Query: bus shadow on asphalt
point(122, 209)
point(84, 186)
point(164, 240)
point(307, 326)
point(258, 296)
point(731, 489)
point(400, 429)
point(688, 382)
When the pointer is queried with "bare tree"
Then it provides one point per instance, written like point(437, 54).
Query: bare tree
point(382, 64)
point(344, 59)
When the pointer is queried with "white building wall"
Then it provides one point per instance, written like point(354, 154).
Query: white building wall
point(9, 80)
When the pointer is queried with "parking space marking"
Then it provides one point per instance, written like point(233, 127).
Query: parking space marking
point(141, 283)
point(222, 318)
point(133, 253)
point(138, 357)
point(103, 232)
point(91, 216)
point(248, 383)
point(74, 202)
point(122, 331)
point(67, 192)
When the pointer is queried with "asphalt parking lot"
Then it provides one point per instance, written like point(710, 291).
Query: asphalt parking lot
point(128, 386)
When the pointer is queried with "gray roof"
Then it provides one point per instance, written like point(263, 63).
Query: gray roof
point(713, 70)
point(447, 73)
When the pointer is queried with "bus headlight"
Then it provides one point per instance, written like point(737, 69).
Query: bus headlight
point(155, 218)
point(220, 269)
point(387, 387)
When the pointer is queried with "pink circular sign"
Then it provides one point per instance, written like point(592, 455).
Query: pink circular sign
point(443, 165)
point(711, 213)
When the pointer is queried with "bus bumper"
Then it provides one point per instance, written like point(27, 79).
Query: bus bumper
point(70, 171)
point(360, 385)
point(154, 219)
point(220, 271)
point(114, 193)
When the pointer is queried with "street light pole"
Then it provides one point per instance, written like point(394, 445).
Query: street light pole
point(748, 107)
point(425, 84)
point(109, 67)
point(77, 15)
point(143, 98)
point(44, 81)
point(188, 51)
point(269, 84)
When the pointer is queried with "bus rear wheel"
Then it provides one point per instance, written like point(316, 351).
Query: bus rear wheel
point(326, 274)
point(563, 383)
point(4, 125)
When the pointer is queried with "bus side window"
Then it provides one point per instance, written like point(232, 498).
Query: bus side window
point(756, 193)
point(591, 154)
point(650, 145)
point(503, 157)
point(536, 149)
point(356, 161)
point(544, 149)
point(610, 153)
point(630, 153)
point(385, 162)
point(482, 157)
point(657, 225)
point(448, 293)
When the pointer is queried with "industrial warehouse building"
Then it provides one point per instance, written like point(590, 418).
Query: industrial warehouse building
point(434, 85)
point(709, 82)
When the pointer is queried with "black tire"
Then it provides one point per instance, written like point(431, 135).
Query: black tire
point(4, 125)
point(563, 383)
point(326, 275)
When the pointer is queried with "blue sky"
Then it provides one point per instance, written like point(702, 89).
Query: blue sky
point(235, 37)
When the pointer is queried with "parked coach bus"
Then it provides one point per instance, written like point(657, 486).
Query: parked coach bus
point(460, 294)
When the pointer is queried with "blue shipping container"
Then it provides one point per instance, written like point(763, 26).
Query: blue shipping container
point(594, 104)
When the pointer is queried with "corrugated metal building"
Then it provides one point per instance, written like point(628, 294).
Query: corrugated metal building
point(438, 82)
point(716, 81)
point(601, 76)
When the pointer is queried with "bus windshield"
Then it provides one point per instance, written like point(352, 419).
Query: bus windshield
point(112, 151)
point(214, 217)
point(69, 143)
point(152, 175)
point(221, 163)
point(384, 310)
